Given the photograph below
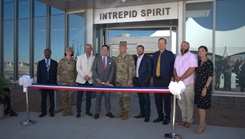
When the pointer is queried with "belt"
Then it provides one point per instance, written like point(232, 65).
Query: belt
point(163, 77)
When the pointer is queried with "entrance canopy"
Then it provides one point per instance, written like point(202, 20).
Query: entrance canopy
point(75, 5)
point(232, 40)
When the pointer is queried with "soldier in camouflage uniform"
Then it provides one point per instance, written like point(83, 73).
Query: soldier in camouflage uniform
point(66, 75)
point(125, 70)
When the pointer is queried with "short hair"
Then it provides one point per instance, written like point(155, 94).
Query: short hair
point(204, 47)
point(106, 46)
point(48, 49)
point(140, 46)
point(162, 39)
point(89, 45)
point(186, 43)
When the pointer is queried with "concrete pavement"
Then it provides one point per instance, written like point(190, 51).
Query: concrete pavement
point(86, 127)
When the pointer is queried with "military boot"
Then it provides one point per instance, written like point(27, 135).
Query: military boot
point(65, 112)
point(69, 111)
point(120, 115)
point(125, 116)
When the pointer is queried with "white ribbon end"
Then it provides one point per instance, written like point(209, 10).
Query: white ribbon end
point(25, 89)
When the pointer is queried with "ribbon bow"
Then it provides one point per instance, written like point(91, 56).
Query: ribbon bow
point(177, 88)
point(25, 81)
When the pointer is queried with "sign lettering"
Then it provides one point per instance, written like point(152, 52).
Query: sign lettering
point(137, 13)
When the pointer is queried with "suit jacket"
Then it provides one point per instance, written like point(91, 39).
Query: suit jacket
point(242, 70)
point(145, 70)
point(84, 67)
point(99, 72)
point(42, 72)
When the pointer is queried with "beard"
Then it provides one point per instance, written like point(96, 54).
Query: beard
point(140, 53)
point(183, 51)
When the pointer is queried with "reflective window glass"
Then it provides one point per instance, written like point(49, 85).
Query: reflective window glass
point(24, 9)
point(57, 36)
point(8, 38)
point(40, 9)
point(229, 47)
point(24, 46)
point(76, 33)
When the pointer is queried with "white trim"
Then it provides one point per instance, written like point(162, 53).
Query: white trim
point(198, 1)
point(77, 11)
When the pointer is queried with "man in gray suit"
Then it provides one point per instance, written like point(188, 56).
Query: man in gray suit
point(103, 74)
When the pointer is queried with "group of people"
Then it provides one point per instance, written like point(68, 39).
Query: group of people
point(125, 70)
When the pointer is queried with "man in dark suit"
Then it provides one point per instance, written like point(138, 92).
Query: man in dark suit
point(143, 66)
point(103, 74)
point(163, 66)
point(47, 74)
point(242, 76)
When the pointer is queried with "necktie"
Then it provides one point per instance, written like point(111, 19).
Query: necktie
point(103, 61)
point(47, 66)
point(158, 65)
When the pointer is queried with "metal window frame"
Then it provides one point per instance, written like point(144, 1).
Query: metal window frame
point(1, 39)
point(16, 40)
point(31, 60)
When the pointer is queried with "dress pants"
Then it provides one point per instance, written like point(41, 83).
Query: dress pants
point(44, 94)
point(98, 102)
point(144, 100)
point(186, 103)
point(242, 82)
point(80, 96)
point(159, 97)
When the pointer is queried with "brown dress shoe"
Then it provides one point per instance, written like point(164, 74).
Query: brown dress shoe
point(182, 124)
point(187, 125)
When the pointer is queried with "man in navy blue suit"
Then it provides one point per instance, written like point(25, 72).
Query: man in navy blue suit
point(163, 67)
point(143, 69)
point(47, 74)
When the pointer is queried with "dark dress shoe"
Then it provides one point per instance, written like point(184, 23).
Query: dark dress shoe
point(159, 119)
point(110, 115)
point(51, 114)
point(41, 115)
point(166, 122)
point(147, 119)
point(96, 116)
point(78, 115)
point(89, 114)
point(13, 113)
point(139, 116)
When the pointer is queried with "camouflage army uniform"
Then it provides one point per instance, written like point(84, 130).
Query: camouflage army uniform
point(125, 71)
point(66, 76)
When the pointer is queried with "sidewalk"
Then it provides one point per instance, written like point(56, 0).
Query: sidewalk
point(86, 127)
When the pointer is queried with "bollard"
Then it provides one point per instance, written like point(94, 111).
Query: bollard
point(173, 135)
point(27, 121)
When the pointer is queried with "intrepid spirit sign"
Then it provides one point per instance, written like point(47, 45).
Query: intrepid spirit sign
point(161, 11)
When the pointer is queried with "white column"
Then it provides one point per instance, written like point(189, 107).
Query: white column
point(181, 25)
point(89, 23)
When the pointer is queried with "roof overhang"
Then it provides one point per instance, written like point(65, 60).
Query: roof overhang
point(77, 5)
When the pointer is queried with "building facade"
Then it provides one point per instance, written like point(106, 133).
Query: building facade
point(27, 27)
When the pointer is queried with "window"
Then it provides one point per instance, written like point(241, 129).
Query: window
point(8, 38)
point(76, 33)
